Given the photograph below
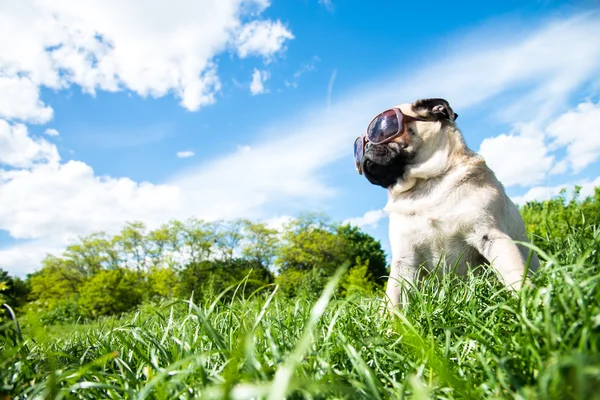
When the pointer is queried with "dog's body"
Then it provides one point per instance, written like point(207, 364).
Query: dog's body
point(446, 207)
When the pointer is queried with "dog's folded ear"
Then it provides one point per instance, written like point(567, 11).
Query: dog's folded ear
point(436, 108)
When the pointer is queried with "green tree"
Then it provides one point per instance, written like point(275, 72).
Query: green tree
point(14, 290)
point(358, 279)
point(196, 238)
point(159, 244)
point(364, 250)
point(209, 278)
point(111, 292)
point(316, 247)
point(91, 254)
point(310, 242)
point(163, 282)
point(228, 236)
point(131, 243)
point(58, 279)
point(302, 283)
point(550, 221)
point(259, 244)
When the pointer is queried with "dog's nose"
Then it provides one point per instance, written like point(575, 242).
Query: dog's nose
point(379, 150)
point(399, 145)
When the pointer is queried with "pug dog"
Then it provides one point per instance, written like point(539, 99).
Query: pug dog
point(447, 210)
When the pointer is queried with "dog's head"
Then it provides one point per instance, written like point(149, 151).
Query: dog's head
point(383, 164)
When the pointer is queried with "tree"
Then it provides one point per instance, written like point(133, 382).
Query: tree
point(301, 283)
point(159, 243)
point(163, 282)
point(57, 280)
point(358, 279)
point(310, 242)
point(91, 254)
point(228, 236)
point(111, 292)
point(131, 243)
point(14, 291)
point(550, 221)
point(363, 250)
point(316, 247)
point(211, 277)
point(260, 243)
point(197, 239)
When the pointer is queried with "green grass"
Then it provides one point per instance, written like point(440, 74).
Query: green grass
point(458, 339)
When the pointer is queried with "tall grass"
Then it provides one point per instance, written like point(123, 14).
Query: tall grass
point(458, 339)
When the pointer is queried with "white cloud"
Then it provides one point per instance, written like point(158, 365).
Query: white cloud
point(559, 168)
point(579, 131)
point(278, 223)
point(281, 174)
point(540, 193)
point(263, 38)
point(19, 99)
point(517, 159)
point(51, 132)
point(185, 154)
point(523, 158)
point(369, 220)
point(150, 47)
point(25, 258)
point(19, 150)
point(61, 200)
point(258, 82)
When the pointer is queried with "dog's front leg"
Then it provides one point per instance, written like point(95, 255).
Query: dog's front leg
point(503, 254)
point(402, 273)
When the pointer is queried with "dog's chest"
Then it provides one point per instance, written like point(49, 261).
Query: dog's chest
point(442, 215)
point(435, 227)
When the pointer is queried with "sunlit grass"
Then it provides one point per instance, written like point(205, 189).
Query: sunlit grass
point(458, 339)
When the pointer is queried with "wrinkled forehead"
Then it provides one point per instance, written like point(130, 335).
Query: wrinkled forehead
point(407, 109)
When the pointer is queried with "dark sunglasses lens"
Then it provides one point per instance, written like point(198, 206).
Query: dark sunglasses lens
point(384, 126)
point(358, 151)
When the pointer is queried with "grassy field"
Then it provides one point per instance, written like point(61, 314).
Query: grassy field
point(458, 339)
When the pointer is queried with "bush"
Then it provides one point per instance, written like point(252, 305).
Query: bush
point(307, 284)
point(111, 292)
point(358, 279)
point(65, 311)
point(207, 279)
point(163, 282)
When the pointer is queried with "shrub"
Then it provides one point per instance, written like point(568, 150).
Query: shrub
point(111, 292)
point(64, 311)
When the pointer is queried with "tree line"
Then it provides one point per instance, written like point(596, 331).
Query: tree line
point(103, 275)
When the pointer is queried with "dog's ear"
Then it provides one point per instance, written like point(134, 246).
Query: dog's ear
point(436, 108)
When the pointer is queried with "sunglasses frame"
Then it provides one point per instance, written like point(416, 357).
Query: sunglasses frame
point(365, 138)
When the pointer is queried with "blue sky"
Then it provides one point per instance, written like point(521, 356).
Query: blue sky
point(226, 108)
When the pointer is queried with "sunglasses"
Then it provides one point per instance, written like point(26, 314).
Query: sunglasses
point(384, 128)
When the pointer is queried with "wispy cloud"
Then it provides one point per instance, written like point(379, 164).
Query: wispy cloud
point(330, 88)
point(265, 38)
point(303, 69)
point(51, 132)
point(257, 86)
point(369, 220)
point(185, 154)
